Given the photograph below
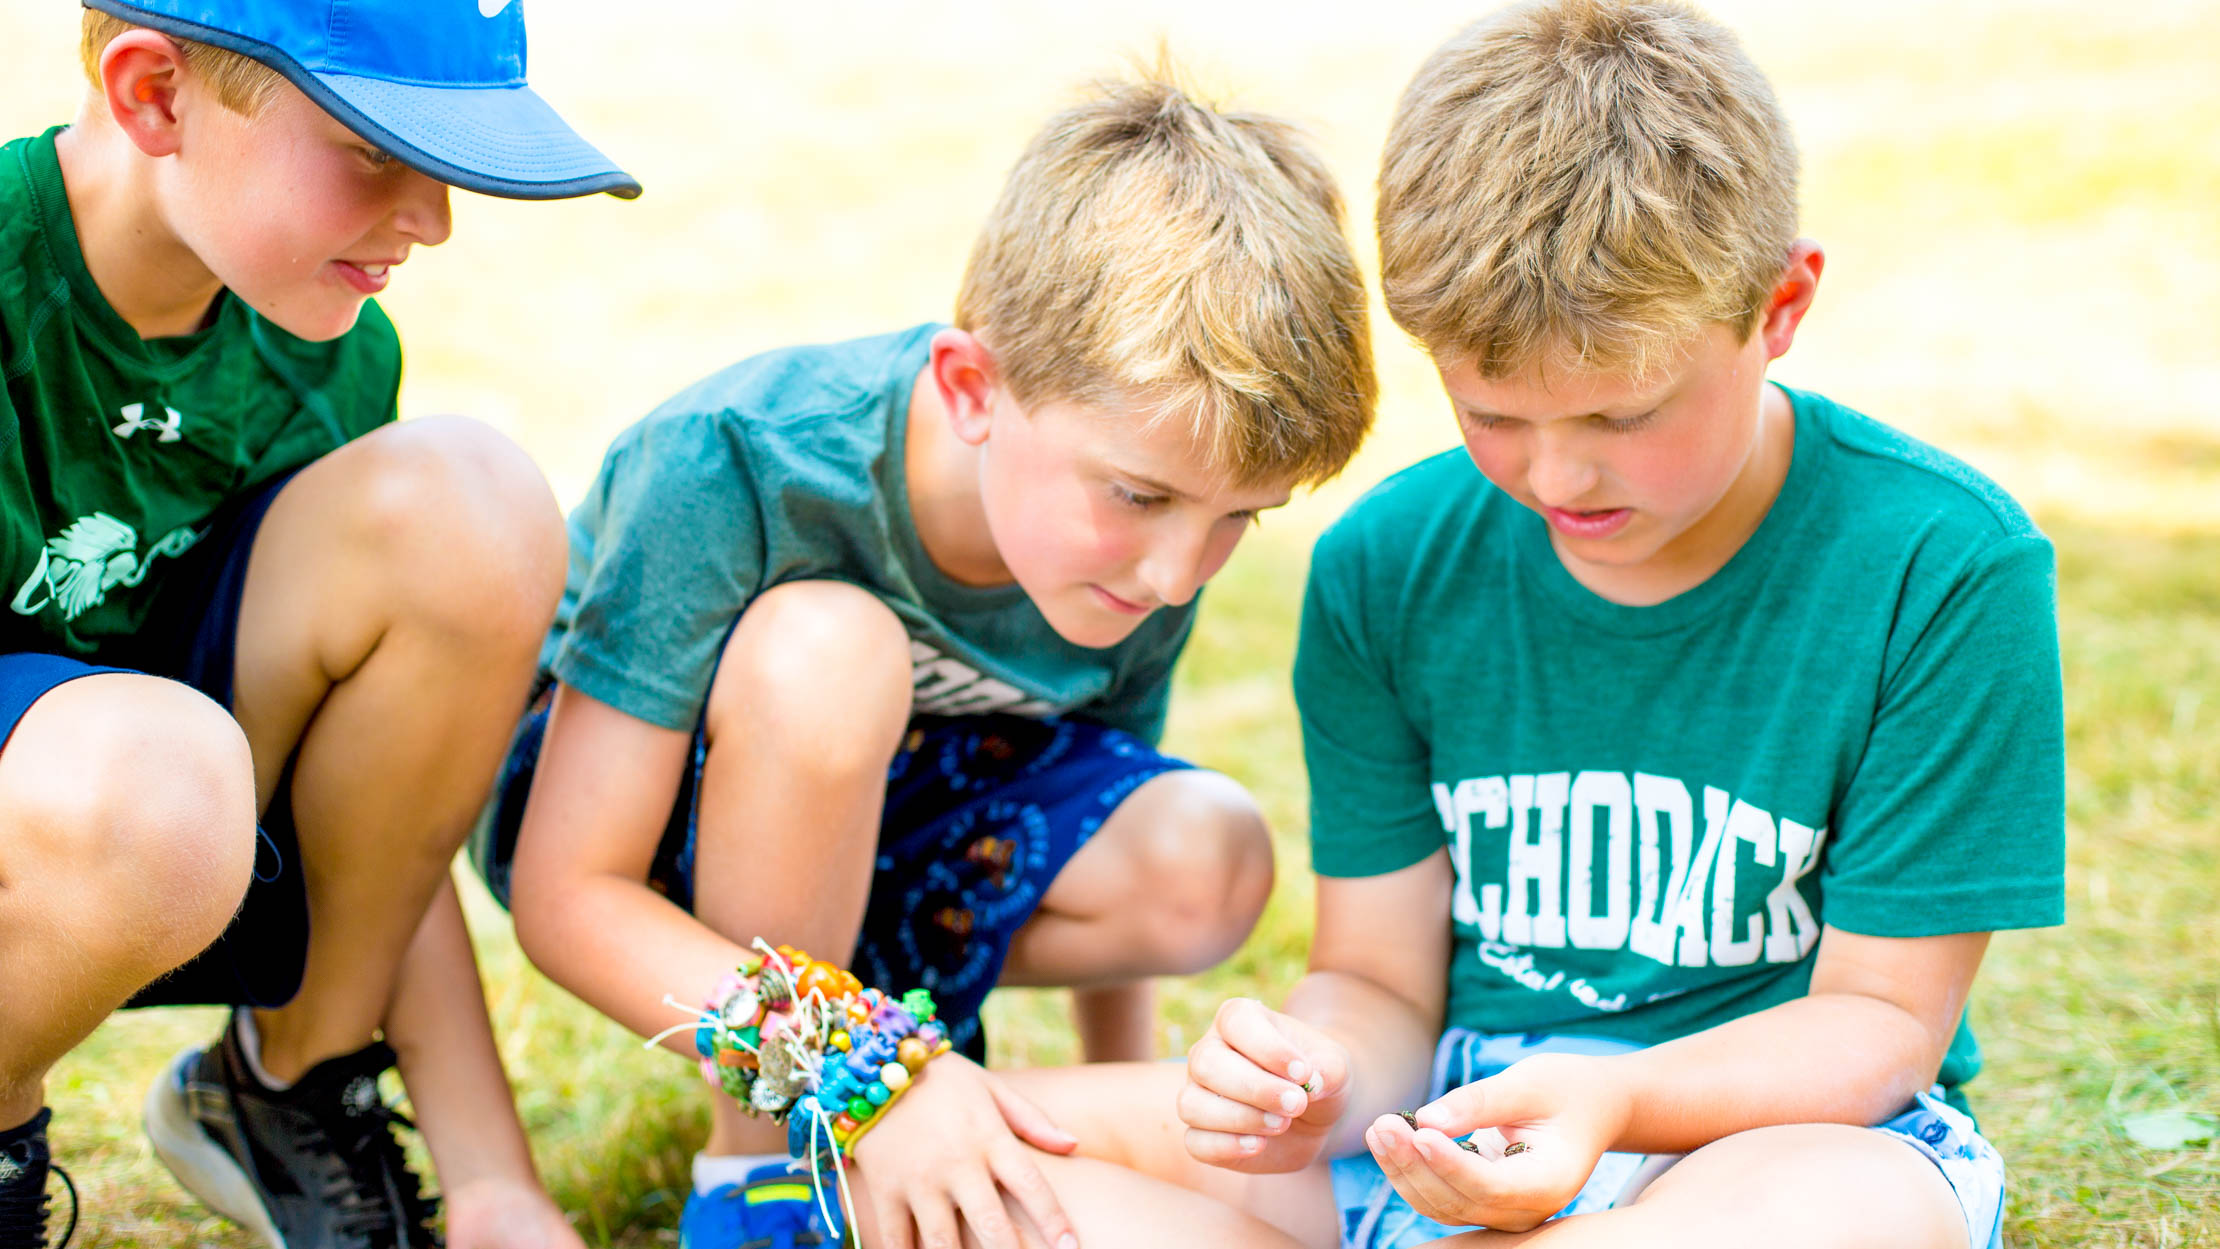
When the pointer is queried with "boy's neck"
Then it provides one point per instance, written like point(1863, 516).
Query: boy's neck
point(1699, 552)
point(145, 272)
point(942, 472)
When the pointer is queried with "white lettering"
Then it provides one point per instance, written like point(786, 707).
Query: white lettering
point(1750, 824)
point(1793, 930)
point(1536, 875)
point(1610, 792)
point(1655, 798)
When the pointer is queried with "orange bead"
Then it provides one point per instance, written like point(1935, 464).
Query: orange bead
point(849, 985)
point(819, 978)
point(735, 1058)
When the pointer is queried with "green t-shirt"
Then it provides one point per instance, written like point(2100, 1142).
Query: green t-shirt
point(787, 467)
point(1651, 810)
point(115, 450)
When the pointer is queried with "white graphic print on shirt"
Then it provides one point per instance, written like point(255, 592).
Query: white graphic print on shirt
point(1608, 861)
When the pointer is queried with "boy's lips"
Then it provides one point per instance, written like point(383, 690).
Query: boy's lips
point(1598, 523)
point(366, 276)
point(1117, 604)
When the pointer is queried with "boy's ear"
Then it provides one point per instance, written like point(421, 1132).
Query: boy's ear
point(964, 370)
point(1792, 297)
point(140, 74)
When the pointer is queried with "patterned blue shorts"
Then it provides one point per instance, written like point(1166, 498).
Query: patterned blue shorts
point(1375, 1216)
point(981, 813)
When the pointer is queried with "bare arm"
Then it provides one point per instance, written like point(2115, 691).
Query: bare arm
point(1879, 1017)
point(600, 799)
point(1871, 1032)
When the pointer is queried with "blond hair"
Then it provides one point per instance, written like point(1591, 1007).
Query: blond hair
point(242, 84)
point(1584, 183)
point(1148, 248)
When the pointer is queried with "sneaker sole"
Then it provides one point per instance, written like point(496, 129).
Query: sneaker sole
point(202, 1166)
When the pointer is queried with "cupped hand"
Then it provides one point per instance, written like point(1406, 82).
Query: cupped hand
point(1263, 1090)
point(1539, 1128)
point(960, 1146)
point(495, 1212)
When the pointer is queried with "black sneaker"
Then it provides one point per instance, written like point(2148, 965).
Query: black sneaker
point(314, 1167)
point(24, 1167)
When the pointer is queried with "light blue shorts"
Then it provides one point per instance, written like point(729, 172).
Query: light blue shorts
point(1375, 1216)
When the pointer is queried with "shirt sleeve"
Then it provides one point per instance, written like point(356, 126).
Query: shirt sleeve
point(1371, 805)
point(672, 548)
point(1954, 820)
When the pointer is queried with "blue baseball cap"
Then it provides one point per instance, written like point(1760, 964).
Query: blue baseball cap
point(439, 84)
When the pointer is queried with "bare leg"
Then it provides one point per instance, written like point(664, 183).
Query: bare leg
point(1171, 884)
point(1819, 1186)
point(1133, 1183)
point(126, 842)
point(1117, 1022)
point(394, 606)
point(393, 610)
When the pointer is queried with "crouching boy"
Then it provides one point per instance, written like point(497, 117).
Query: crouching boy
point(239, 594)
point(865, 647)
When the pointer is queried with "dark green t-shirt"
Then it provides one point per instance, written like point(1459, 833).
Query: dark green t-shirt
point(1651, 810)
point(788, 467)
point(115, 450)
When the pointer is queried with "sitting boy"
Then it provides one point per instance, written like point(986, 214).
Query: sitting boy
point(865, 647)
point(1684, 757)
point(240, 593)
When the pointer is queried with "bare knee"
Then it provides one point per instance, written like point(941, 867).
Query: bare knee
point(465, 518)
point(1202, 854)
point(134, 797)
point(820, 668)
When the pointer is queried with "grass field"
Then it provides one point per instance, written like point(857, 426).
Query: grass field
point(2017, 200)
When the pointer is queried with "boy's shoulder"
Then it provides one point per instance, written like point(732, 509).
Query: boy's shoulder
point(810, 393)
point(1880, 479)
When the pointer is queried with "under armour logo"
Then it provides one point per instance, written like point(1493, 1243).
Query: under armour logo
point(135, 419)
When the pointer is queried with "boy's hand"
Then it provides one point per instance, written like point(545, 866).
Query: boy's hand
point(495, 1212)
point(958, 1142)
point(1263, 1089)
point(1539, 1128)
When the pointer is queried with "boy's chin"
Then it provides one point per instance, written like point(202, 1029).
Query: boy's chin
point(313, 324)
point(1092, 629)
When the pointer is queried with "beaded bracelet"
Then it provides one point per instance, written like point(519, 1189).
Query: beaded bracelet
point(805, 1043)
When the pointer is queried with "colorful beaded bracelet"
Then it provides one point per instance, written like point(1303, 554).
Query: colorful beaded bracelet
point(805, 1043)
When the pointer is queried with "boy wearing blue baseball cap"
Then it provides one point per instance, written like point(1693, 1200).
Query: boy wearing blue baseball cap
point(263, 645)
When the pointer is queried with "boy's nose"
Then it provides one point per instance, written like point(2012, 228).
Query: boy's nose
point(1173, 570)
point(423, 213)
point(1559, 478)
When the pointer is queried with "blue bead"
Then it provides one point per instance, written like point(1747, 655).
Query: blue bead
point(705, 1041)
point(876, 1093)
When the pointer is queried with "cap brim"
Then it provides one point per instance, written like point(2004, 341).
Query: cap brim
point(502, 141)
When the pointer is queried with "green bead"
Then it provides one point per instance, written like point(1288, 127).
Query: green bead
point(749, 1037)
point(859, 1109)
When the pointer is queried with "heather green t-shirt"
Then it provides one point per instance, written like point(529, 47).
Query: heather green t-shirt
point(788, 467)
point(1652, 810)
point(115, 450)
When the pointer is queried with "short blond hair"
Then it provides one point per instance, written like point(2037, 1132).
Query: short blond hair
point(241, 83)
point(1149, 248)
point(1586, 184)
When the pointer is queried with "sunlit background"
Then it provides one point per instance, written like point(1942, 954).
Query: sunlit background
point(2023, 267)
